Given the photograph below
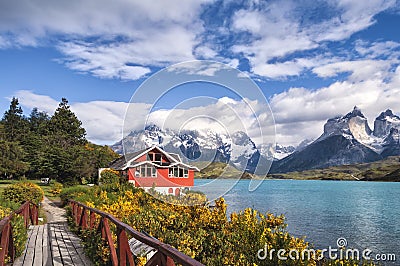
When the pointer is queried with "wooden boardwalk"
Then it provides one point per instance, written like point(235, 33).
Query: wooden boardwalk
point(52, 243)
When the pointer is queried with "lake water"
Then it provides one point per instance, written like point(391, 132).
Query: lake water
point(367, 214)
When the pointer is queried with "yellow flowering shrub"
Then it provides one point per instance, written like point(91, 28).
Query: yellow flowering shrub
point(23, 191)
point(201, 231)
point(4, 211)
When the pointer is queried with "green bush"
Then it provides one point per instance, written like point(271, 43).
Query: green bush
point(109, 177)
point(73, 192)
point(23, 191)
point(20, 234)
point(56, 188)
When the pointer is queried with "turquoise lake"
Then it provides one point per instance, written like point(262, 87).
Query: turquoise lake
point(367, 214)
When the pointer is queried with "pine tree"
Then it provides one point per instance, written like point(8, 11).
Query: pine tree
point(11, 157)
point(13, 121)
point(35, 144)
point(66, 125)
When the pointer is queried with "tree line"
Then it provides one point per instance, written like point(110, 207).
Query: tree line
point(44, 146)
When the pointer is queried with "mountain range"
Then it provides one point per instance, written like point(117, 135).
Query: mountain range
point(346, 139)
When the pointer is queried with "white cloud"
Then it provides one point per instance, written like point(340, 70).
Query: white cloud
point(278, 70)
point(42, 102)
point(277, 30)
point(122, 39)
point(360, 70)
point(103, 120)
point(300, 113)
point(378, 49)
point(125, 39)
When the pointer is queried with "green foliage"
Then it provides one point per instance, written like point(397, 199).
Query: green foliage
point(73, 192)
point(49, 146)
point(23, 191)
point(66, 126)
point(20, 234)
point(13, 121)
point(11, 159)
point(109, 177)
point(95, 247)
point(202, 232)
point(56, 188)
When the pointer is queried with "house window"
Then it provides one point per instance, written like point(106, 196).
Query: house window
point(146, 171)
point(170, 190)
point(137, 172)
point(177, 172)
point(154, 157)
point(158, 157)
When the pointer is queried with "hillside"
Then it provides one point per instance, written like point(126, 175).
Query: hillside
point(383, 170)
point(219, 169)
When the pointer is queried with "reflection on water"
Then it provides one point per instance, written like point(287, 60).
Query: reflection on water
point(367, 214)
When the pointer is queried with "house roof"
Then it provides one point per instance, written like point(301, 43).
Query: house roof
point(119, 163)
point(127, 160)
point(176, 156)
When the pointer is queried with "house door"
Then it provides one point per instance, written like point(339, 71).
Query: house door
point(177, 192)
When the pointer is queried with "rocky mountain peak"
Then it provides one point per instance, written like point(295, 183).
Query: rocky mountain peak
point(347, 125)
point(386, 114)
point(152, 127)
point(356, 112)
point(385, 122)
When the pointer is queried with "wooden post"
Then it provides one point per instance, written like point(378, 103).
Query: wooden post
point(5, 236)
point(124, 252)
point(107, 231)
point(92, 220)
point(83, 221)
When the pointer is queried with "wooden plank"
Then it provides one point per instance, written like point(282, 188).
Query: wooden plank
point(20, 260)
point(55, 252)
point(38, 256)
point(73, 254)
point(32, 239)
point(76, 244)
point(66, 259)
point(47, 260)
point(30, 251)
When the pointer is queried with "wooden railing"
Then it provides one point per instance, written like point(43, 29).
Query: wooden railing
point(29, 211)
point(85, 218)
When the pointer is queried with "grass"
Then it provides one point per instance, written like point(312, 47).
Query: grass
point(46, 189)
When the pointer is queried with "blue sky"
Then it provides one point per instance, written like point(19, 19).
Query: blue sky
point(311, 59)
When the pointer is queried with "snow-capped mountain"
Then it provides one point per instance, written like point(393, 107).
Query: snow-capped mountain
point(196, 145)
point(205, 145)
point(347, 139)
point(276, 152)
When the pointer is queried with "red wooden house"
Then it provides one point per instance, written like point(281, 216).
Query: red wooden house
point(154, 167)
